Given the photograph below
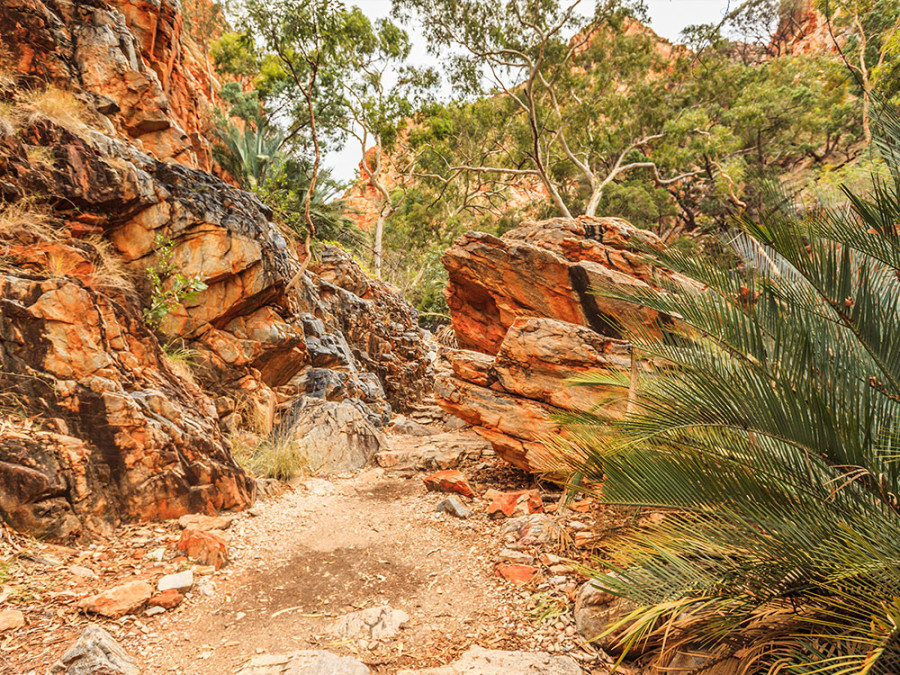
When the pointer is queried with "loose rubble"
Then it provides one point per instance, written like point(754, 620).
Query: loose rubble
point(96, 653)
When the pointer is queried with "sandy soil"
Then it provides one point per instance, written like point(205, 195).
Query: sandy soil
point(321, 549)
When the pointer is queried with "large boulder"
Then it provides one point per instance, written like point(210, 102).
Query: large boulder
point(331, 436)
point(510, 398)
point(527, 320)
point(303, 662)
point(480, 661)
point(545, 269)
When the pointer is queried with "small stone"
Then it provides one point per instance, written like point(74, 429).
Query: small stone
point(561, 569)
point(179, 582)
point(10, 619)
point(156, 554)
point(119, 600)
point(82, 572)
point(198, 521)
point(207, 548)
point(95, 651)
point(154, 610)
point(509, 555)
point(538, 528)
point(375, 622)
point(449, 480)
point(511, 504)
point(516, 574)
point(168, 599)
point(454, 507)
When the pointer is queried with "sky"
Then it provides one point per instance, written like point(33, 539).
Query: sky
point(667, 18)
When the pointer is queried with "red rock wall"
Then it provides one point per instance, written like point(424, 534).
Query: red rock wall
point(527, 319)
point(95, 425)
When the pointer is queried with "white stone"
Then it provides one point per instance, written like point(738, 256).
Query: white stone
point(181, 581)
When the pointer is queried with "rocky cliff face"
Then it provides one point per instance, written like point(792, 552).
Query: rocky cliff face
point(102, 160)
point(128, 59)
point(527, 319)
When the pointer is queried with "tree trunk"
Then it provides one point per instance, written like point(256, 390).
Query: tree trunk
point(379, 239)
point(594, 202)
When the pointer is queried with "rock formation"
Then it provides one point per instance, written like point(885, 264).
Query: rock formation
point(104, 177)
point(526, 320)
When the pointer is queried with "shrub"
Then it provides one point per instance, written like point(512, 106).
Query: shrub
point(168, 287)
point(772, 434)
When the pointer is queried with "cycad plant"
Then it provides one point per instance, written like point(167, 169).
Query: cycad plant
point(768, 431)
point(249, 151)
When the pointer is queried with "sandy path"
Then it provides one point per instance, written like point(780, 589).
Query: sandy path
point(334, 547)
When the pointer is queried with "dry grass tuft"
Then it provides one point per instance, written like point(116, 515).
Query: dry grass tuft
point(40, 156)
point(109, 269)
point(256, 415)
point(182, 361)
point(25, 218)
point(273, 456)
point(9, 119)
point(57, 106)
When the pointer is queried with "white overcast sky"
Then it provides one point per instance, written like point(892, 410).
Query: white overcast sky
point(667, 17)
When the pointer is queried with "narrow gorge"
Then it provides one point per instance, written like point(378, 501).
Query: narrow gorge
point(255, 424)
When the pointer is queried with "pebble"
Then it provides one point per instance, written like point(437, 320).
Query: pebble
point(517, 557)
point(82, 572)
point(454, 507)
point(180, 581)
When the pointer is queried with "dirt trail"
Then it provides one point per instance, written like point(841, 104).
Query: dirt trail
point(331, 546)
point(313, 555)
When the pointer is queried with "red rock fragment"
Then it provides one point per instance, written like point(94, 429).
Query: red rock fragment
point(518, 503)
point(516, 574)
point(449, 480)
point(119, 600)
point(168, 599)
point(207, 548)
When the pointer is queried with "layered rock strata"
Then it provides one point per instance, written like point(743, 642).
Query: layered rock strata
point(103, 416)
point(527, 319)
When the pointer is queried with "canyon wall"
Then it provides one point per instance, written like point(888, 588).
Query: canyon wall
point(105, 178)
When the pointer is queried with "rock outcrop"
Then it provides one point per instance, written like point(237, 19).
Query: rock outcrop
point(103, 181)
point(131, 62)
point(526, 320)
point(381, 327)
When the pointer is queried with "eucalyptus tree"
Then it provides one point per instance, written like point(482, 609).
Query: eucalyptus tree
point(307, 39)
point(380, 94)
point(585, 81)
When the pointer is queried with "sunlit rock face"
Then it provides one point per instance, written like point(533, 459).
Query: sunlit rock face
point(528, 317)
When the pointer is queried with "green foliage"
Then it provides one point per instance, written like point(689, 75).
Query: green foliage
point(770, 427)
point(168, 287)
point(284, 191)
point(247, 153)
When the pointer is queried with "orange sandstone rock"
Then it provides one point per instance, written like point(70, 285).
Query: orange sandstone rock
point(207, 548)
point(449, 480)
point(119, 600)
